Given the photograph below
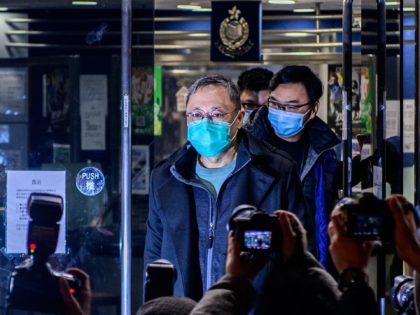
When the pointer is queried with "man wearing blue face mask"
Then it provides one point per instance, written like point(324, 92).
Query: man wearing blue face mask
point(193, 192)
point(290, 123)
point(254, 90)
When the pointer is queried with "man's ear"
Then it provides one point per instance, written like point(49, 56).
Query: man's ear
point(241, 116)
point(315, 109)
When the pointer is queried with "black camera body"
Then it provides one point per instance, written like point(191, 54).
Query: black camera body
point(258, 232)
point(35, 288)
point(160, 279)
point(370, 219)
point(34, 284)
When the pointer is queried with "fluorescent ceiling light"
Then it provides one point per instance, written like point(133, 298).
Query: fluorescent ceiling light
point(180, 71)
point(188, 7)
point(296, 34)
point(282, 1)
point(3, 9)
point(392, 3)
point(303, 10)
point(409, 9)
point(202, 34)
point(301, 53)
point(84, 3)
point(202, 10)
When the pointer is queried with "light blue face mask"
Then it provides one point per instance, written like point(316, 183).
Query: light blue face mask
point(286, 124)
point(246, 117)
point(209, 138)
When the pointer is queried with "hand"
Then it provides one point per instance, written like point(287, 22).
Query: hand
point(293, 234)
point(81, 304)
point(347, 252)
point(405, 234)
point(238, 265)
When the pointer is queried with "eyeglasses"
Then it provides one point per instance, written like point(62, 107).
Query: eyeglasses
point(250, 105)
point(286, 107)
point(197, 115)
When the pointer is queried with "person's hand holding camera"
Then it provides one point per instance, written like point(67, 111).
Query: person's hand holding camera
point(405, 234)
point(294, 240)
point(239, 265)
point(347, 252)
point(76, 304)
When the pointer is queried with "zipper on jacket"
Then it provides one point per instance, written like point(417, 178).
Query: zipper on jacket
point(212, 219)
point(211, 235)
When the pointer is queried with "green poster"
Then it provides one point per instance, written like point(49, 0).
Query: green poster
point(158, 101)
point(142, 101)
point(366, 98)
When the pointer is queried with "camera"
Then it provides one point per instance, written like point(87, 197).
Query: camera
point(257, 232)
point(34, 284)
point(160, 279)
point(369, 219)
point(402, 295)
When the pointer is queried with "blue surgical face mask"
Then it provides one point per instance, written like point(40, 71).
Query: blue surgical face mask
point(286, 124)
point(210, 138)
point(246, 117)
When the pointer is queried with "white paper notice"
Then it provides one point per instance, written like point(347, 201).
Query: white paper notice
point(392, 118)
point(377, 181)
point(93, 132)
point(20, 184)
point(13, 98)
point(181, 99)
point(140, 169)
point(409, 123)
point(93, 110)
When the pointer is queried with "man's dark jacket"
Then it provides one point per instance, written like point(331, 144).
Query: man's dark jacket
point(318, 172)
point(180, 207)
point(312, 291)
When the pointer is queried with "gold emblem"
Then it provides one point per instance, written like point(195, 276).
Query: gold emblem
point(234, 35)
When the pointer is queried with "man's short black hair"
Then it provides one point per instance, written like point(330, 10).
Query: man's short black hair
point(299, 74)
point(255, 79)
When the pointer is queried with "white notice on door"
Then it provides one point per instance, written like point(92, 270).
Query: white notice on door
point(20, 184)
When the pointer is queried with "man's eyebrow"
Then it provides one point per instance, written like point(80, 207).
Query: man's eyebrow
point(196, 108)
point(288, 102)
point(212, 108)
point(248, 100)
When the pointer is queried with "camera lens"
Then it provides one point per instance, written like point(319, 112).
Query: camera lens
point(402, 294)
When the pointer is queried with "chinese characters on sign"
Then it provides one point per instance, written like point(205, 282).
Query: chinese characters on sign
point(20, 184)
point(90, 181)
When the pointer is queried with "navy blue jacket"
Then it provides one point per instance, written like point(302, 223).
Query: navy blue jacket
point(181, 209)
point(318, 172)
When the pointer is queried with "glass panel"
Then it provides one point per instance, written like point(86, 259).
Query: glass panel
point(60, 86)
point(408, 86)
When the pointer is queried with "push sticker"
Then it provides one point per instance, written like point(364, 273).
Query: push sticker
point(90, 181)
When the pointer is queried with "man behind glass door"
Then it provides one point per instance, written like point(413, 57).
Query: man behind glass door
point(193, 192)
point(254, 90)
point(290, 123)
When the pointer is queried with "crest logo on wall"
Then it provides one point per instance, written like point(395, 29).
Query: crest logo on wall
point(234, 35)
point(236, 28)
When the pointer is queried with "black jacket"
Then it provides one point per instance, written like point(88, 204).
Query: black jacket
point(318, 172)
point(306, 289)
point(310, 290)
point(261, 178)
